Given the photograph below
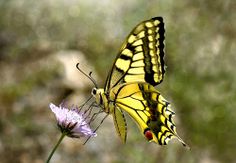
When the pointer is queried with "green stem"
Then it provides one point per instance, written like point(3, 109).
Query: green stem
point(54, 149)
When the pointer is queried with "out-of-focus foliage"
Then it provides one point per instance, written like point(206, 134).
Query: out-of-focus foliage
point(199, 81)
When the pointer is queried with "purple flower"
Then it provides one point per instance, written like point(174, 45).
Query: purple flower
point(71, 121)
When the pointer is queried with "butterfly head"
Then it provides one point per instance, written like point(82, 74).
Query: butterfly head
point(98, 95)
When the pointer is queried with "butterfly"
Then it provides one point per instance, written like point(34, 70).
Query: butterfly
point(129, 87)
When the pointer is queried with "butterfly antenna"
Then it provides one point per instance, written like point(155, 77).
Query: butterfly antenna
point(96, 128)
point(93, 80)
point(88, 76)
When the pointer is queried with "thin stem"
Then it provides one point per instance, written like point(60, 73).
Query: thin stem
point(55, 147)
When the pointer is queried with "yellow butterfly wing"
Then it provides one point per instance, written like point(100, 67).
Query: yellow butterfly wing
point(141, 57)
point(120, 123)
point(149, 109)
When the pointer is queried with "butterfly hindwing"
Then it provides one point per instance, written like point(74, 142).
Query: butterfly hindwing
point(120, 123)
point(141, 56)
point(149, 110)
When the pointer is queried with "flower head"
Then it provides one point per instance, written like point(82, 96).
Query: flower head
point(71, 121)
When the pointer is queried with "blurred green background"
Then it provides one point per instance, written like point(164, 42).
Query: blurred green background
point(41, 41)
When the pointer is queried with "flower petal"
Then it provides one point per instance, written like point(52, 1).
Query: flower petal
point(71, 121)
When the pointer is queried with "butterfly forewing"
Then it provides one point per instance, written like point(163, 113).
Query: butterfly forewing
point(141, 56)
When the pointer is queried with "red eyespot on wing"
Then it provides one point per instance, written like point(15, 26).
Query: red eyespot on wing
point(148, 134)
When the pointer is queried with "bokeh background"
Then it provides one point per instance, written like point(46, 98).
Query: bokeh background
point(41, 41)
